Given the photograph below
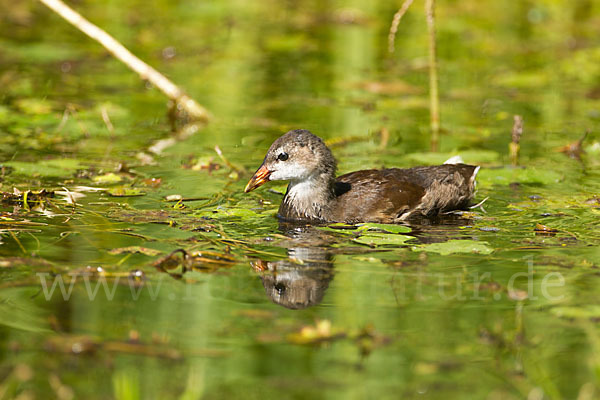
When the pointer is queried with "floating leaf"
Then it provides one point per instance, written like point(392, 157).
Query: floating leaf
point(390, 228)
point(56, 168)
point(125, 192)
point(341, 225)
point(373, 239)
point(136, 249)
point(111, 177)
point(228, 212)
point(349, 229)
point(456, 246)
point(338, 227)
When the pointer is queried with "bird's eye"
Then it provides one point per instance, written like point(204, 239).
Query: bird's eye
point(283, 156)
point(280, 287)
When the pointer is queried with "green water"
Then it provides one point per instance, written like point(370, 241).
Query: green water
point(478, 305)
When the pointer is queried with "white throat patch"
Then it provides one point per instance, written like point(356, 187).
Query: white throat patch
point(303, 191)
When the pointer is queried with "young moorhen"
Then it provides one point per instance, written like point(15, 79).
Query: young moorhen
point(391, 195)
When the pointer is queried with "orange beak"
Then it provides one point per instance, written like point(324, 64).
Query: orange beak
point(260, 177)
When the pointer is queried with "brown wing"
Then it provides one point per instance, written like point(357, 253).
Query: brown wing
point(447, 187)
point(392, 195)
point(458, 174)
point(375, 196)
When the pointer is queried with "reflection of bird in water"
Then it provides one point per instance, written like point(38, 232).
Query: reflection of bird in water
point(300, 281)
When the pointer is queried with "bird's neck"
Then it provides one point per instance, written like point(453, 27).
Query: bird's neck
point(309, 199)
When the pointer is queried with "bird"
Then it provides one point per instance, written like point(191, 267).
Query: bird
point(391, 195)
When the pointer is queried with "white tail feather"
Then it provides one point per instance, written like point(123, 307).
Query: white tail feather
point(454, 160)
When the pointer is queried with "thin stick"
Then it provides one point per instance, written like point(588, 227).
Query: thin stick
point(514, 147)
point(394, 27)
point(145, 71)
point(108, 123)
point(434, 99)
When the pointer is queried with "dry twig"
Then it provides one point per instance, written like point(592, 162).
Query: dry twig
point(434, 98)
point(514, 145)
point(145, 71)
point(395, 22)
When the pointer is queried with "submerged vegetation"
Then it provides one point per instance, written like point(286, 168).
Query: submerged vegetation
point(128, 248)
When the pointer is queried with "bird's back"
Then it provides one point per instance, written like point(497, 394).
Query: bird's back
point(395, 194)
